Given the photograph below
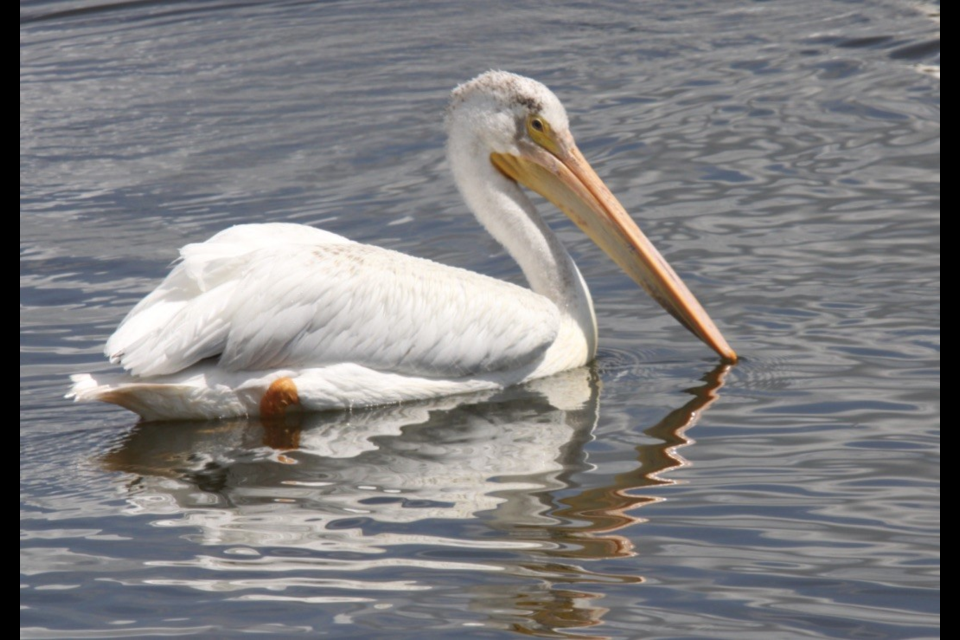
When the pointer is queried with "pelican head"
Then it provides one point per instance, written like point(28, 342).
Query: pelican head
point(522, 127)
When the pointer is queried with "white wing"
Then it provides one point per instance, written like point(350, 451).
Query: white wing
point(273, 296)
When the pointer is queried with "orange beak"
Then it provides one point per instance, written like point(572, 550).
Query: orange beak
point(562, 175)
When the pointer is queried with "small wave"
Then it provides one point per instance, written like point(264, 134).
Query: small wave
point(932, 11)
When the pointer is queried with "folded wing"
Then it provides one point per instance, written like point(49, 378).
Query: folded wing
point(281, 296)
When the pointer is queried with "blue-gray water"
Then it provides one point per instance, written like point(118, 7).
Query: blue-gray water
point(784, 155)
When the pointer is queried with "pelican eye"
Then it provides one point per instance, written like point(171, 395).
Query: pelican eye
point(538, 128)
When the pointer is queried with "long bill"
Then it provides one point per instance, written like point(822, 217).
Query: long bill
point(564, 177)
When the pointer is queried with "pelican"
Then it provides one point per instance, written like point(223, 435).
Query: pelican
point(262, 319)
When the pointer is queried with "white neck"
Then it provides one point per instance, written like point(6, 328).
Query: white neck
point(510, 217)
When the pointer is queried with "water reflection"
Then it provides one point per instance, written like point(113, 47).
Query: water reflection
point(472, 484)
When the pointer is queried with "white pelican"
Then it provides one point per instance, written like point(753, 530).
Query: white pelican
point(264, 318)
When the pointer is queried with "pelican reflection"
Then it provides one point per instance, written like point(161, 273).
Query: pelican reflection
point(347, 502)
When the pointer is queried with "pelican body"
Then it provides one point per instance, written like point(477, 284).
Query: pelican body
point(266, 318)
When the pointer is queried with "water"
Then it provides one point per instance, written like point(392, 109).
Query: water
point(785, 156)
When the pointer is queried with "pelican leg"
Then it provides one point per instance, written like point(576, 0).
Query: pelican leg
point(281, 395)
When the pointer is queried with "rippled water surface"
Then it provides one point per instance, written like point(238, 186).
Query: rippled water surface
point(784, 155)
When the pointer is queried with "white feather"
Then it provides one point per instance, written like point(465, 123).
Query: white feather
point(260, 307)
